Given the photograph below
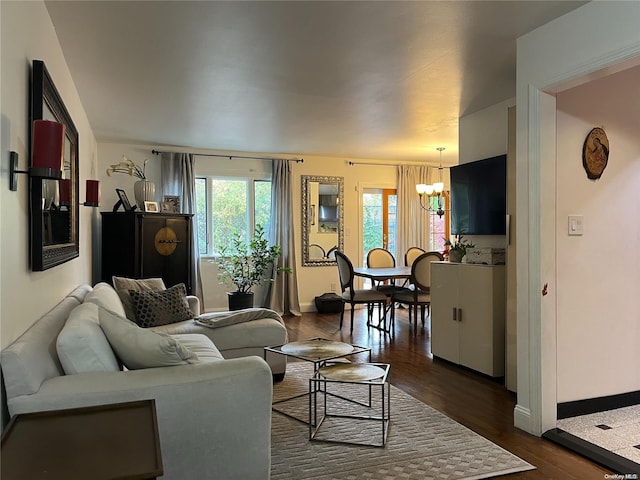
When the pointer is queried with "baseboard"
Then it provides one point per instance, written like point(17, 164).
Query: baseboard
point(606, 458)
point(595, 405)
point(522, 420)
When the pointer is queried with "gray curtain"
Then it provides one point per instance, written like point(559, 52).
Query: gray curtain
point(282, 294)
point(178, 178)
point(413, 221)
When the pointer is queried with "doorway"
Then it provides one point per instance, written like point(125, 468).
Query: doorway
point(379, 221)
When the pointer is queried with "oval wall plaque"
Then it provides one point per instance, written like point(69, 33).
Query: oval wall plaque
point(595, 153)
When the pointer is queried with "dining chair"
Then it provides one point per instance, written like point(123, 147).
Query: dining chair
point(381, 258)
point(331, 254)
point(411, 254)
point(316, 251)
point(361, 296)
point(420, 294)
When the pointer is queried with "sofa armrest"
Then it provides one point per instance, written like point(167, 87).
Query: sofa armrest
point(194, 305)
point(214, 419)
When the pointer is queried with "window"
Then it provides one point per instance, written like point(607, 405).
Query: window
point(226, 207)
point(438, 226)
point(379, 214)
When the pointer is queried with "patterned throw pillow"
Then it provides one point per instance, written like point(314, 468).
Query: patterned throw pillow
point(123, 285)
point(162, 307)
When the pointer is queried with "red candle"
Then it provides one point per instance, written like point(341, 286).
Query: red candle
point(48, 146)
point(64, 186)
point(93, 193)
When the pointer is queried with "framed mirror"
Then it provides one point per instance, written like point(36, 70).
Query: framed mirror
point(54, 203)
point(322, 219)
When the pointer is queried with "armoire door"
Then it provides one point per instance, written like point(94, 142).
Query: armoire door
point(166, 249)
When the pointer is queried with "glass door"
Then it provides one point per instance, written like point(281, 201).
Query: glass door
point(379, 219)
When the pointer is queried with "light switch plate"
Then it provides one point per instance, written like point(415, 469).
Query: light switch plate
point(576, 224)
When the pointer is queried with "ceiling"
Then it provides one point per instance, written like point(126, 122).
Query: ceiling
point(377, 80)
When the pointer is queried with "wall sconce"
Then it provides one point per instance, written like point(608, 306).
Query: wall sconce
point(47, 157)
point(434, 189)
point(93, 193)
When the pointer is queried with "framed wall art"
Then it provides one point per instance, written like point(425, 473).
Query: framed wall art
point(595, 153)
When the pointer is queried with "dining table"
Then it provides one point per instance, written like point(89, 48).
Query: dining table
point(383, 274)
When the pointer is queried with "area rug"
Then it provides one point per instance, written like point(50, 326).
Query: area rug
point(422, 443)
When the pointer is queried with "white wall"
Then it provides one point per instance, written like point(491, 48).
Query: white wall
point(27, 34)
point(484, 134)
point(598, 274)
point(561, 53)
point(312, 281)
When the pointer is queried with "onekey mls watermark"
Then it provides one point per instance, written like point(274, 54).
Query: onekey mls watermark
point(621, 476)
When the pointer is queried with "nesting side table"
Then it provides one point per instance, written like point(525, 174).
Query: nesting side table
point(370, 375)
point(317, 351)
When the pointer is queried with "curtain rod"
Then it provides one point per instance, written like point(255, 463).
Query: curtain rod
point(297, 160)
point(353, 164)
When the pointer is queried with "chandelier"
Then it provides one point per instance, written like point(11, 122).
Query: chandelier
point(433, 190)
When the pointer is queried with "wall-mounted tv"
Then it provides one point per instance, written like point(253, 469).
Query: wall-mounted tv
point(479, 197)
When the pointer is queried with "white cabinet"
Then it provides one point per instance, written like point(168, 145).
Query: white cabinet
point(468, 315)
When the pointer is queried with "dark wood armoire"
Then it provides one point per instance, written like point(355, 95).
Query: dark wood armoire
point(145, 245)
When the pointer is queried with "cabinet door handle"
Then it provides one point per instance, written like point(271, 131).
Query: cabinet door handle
point(459, 314)
point(455, 314)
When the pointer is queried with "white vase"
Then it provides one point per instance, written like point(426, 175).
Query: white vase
point(144, 191)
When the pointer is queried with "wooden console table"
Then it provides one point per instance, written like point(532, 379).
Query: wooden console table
point(103, 442)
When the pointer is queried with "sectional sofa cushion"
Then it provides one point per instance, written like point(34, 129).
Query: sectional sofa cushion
point(142, 348)
point(81, 344)
point(123, 285)
point(103, 295)
point(161, 307)
point(201, 345)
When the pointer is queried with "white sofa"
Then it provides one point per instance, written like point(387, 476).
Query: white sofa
point(214, 416)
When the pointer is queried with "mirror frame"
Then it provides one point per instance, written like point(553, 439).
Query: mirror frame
point(44, 92)
point(306, 179)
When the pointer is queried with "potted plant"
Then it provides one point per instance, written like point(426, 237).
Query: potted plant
point(246, 264)
point(457, 248)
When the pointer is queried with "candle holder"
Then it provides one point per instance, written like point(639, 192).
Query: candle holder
point(37, 172)
point(47, 153)
point(93, 193)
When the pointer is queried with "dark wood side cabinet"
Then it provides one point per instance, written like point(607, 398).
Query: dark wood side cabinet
point(145, 245)
point(102, 442)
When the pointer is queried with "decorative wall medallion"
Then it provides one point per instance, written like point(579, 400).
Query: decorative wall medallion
point(595, 153)
point(166, 241)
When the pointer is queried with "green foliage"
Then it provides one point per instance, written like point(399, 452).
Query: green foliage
point(229, 214)
point(459, 243)
point(245, 264)
point(372, 221)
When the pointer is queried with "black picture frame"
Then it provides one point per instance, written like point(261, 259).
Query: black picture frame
point(124, 200)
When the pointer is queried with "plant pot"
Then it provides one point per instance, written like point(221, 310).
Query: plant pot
point(240, 300)
point(144, 190)
point(455, 256)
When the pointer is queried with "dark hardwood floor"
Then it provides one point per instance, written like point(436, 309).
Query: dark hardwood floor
point(476, 401)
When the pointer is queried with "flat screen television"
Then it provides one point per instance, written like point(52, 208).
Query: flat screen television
point(479, 197)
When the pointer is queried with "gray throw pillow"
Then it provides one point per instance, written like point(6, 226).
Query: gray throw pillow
point(140, 348)
point(122, 285)
point(161, 308)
